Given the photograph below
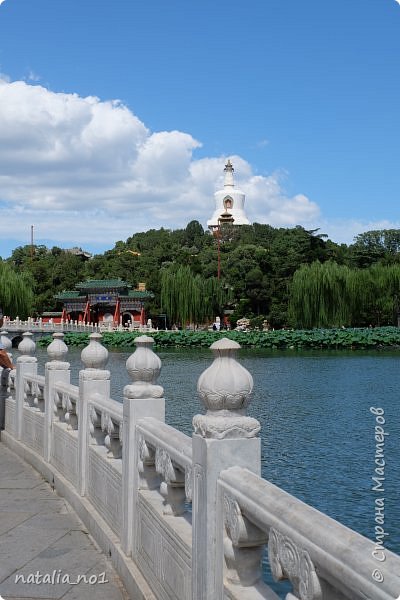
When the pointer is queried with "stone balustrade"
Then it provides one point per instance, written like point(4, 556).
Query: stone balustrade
point(49, 326)
point(182, 518)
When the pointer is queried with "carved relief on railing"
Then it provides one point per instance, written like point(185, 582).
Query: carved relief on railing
point(189, 483)
point(114, 438)
point(34, 392)
point(149, 479)
point(106, 429)
point(70, 411)
point(243, 545)
point(289, 561)
point(174, 479)
point(97, 435)
point(11, 383)
point(58, 409)
point(165, 461)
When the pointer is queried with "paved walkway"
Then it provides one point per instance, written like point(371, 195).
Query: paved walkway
point(44, 544)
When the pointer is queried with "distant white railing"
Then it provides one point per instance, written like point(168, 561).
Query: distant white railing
point(38, 325)
point(190, 518)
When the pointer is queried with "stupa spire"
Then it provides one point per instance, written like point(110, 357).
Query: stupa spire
point(229, 175)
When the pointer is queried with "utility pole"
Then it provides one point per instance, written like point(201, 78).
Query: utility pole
point(31, 243)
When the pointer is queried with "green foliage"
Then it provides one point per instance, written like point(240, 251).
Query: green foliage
point(319, 295)
point(327, 295)
point(337, 338)
point(258, 266)
point(16, 295)
point(188, 298)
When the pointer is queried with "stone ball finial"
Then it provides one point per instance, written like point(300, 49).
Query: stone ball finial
point(225, 384)
point(27, 346)
point(225, 389)
point(58, 349)
point(95, 355)
point(7, 343)
point(144, 364)
point(144, 367)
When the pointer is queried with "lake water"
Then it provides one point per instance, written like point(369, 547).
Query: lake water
point(317, 429)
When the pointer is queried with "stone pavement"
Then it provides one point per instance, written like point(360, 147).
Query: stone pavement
point(44, 547)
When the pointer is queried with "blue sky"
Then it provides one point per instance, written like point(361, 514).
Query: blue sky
point(117, 117)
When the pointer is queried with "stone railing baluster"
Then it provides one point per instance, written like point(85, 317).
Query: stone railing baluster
point(142, 398)
point(223, 437)
point(243, 546)
point(26, 365)
point(56, 371)
point(174, 478)
point(149, 479)
point(93, 379)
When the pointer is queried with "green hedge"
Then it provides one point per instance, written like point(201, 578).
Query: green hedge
point(314, 338)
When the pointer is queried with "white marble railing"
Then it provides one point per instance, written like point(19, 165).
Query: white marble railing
point(65, 401)
point(34, 391)
point(38, 325)
point(166, 452)
point(182, 518)
point(106, 424)
point(318, 555)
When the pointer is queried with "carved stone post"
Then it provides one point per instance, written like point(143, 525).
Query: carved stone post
point(142, 398)
point(56, 371)
point(92, 379)
point(26, 365)
point(222, 438)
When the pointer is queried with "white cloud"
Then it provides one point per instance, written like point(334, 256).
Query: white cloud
point(343, 231)
point(86, 171)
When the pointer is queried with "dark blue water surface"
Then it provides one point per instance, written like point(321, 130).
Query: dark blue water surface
point(317, 429)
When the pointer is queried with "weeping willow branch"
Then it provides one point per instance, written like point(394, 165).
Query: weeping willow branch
point(331, 295)
point(16, 296)
point(186, 297)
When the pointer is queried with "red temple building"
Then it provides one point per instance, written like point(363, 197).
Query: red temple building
point(105, 301)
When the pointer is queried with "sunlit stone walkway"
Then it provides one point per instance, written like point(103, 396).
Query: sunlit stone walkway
point(42, 541)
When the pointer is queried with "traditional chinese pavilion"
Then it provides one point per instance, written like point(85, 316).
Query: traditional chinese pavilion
point(104, 300)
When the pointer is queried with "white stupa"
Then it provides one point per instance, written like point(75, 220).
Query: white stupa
point(228, 201)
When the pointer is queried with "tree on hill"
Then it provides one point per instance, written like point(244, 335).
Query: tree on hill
point(16, 296)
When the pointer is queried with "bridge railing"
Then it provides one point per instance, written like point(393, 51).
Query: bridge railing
point(38, 325)
point(180, 517)
point(320, 557)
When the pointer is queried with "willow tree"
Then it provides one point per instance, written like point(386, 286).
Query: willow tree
point(372, 294)
point(186, 297)
point(16, 296)
point(320, 295)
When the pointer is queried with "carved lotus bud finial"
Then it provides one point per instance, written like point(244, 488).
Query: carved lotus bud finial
point(27, 347)
point(144, 367)
point(5, 341)
point(58, 349)
point(225, 389)
point(144, 364)
point(95, 355)
point(225, 384)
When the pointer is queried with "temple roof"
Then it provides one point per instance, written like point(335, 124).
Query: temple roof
point(139, 294)
point(69, 294)
point(102, 284)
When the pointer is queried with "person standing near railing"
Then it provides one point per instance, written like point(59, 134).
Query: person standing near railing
point(6, 365)
point(5, 361)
